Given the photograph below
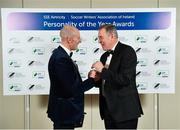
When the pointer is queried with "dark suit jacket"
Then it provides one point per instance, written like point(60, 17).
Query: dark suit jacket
point(66, 98)
point(120, 90)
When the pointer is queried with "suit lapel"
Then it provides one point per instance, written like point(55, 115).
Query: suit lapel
point(63, 52)
point(116, 56)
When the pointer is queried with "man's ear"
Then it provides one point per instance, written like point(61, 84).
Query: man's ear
point(69, 39)
point(112, 35)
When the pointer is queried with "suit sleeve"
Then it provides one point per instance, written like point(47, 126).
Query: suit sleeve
point(68, 77)
point(127, 71)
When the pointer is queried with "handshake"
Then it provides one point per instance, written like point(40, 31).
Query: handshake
point(96, 70)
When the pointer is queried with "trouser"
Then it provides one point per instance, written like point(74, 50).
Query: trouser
point(110, 123)
point(130, 124)
point(58, 126)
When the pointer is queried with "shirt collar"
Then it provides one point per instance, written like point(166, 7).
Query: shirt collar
point(67, 50)
point(114, 46)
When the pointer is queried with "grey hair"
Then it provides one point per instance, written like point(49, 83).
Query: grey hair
point(110, 29)
point(68, 31)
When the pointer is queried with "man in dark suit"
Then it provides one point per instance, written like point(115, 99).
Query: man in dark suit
point(66, 98)
point(119, 100)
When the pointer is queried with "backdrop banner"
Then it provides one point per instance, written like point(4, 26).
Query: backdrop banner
point(30, 35)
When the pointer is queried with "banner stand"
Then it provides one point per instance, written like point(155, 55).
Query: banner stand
point(27, 112)
point(26, 105)
point(156, 105)
point(156, 111)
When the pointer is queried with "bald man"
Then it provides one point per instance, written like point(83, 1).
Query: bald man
point(66, 98)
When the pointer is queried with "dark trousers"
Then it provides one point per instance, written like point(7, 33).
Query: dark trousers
point(130, 124)
point(110, 123)
point(58, 126)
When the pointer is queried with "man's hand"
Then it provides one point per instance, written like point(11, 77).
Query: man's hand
point(98, 66)
point(92, 74)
